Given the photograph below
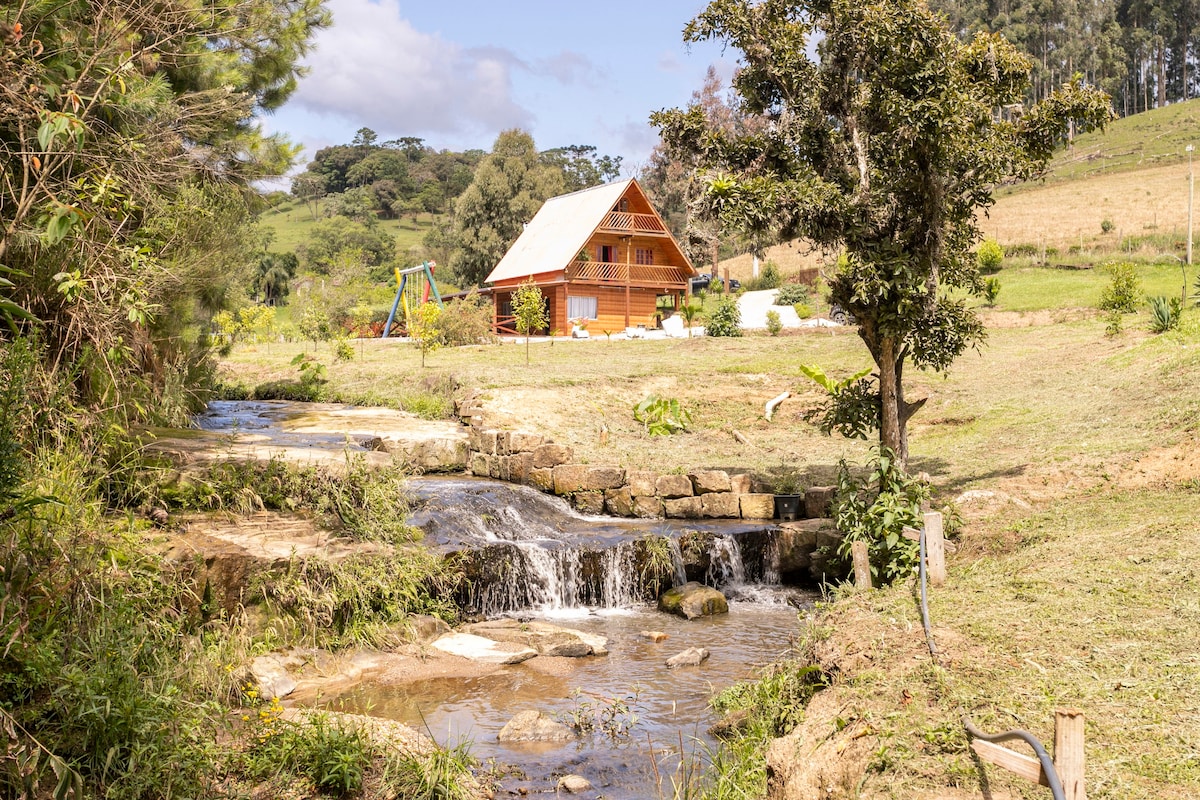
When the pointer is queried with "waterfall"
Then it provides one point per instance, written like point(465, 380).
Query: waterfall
point(524, 552)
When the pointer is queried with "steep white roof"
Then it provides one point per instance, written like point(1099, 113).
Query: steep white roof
point(559, 230)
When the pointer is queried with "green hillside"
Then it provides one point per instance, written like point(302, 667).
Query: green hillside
point(291, 222)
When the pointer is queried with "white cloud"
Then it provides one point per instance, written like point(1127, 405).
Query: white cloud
point(375, 69)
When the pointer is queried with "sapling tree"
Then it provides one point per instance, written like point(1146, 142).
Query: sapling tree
point(424, 328)
point(529, 311)
point(884, 139)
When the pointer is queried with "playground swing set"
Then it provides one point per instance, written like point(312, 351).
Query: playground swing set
point(411, 294)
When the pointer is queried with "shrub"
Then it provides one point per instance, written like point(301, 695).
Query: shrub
point(467, 321)
point(1165, 314)
point(332, 756)
point(876, 511)
point(1124, 292)
point(1106, 226)
point(661, 416)
point(792, 293)
point(1114, 322)
point(770, 278)
point(990, 256)
point(343, 351)
point(803, 310)
point(991, 290)
point(726, 319)
point(774, 323)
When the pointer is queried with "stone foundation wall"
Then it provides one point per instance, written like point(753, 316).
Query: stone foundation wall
point(523, 457)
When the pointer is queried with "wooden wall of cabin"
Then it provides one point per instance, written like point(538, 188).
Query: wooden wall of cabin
point(664, 254)
point(610, 307)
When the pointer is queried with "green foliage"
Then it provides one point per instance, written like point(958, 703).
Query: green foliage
point(661, 416)
point(615, 717)
point(1114, 323)
point(726, 320)
point(315, 324)
point(774, 324)
point(768, 279)
point(690, 314)
point(362, 600)
point(792, 293)
point(272, 277)
point(1106, 225)
point(803, 310)
point(358, 501)
point(1124, 292)
point(343, 350)
point(529, 309)
point(989, 256)
point(876, 511)
point(424, 328)
point(339, 242)
point(1165, 314)
point(333, 756)
point(467, 321)
point(991, 290)
point(852, 404)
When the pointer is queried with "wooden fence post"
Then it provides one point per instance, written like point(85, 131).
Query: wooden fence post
point(935, 548)
point(1068, 752)
point(862, 565)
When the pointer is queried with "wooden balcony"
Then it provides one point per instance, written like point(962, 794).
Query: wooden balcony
point(627, 223)
point(645, 275)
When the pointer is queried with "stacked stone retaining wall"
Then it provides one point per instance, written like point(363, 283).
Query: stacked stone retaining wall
point(529, 458)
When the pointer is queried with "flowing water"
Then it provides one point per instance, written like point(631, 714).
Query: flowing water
point(529, 555)
point(539, 559)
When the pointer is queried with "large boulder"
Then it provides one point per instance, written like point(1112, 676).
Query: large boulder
point(271, 676)
point(535, 726)
point(693, 600)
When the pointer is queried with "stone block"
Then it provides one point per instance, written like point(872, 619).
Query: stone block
point(818, 501)
point(796, 542)
point(682, 508)
point(498, 467)
point(711, 480)
point(501, 443)
point(828, 538)
point(641, 483)
point(740, 484)
point(542, 478)
point(479, 465)
point(647, 507)
point(619, 502)
point(474, 440)
point(551, 455)
point(719, 505)
point(601, 478)
point(588, 502)
point(524, 442)
point(569, 478)
point(487, 442)
point(756, 506)
point(519, 466)
point(673, 486)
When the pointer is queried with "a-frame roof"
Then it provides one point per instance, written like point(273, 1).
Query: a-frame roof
point(560, 229)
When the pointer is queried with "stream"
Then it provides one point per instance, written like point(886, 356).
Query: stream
point(530, 556)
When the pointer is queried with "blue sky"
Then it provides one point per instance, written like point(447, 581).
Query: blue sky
point(457, 72)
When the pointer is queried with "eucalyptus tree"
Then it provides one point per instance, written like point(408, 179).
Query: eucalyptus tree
point(509, 186)
point(128, 143)
point(882, 140)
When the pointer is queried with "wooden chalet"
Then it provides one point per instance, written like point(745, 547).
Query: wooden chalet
point(602, 255)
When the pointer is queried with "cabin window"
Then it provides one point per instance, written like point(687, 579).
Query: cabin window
point(622, 206)
point(581, 307)
point(606, 254)
point(644, 255)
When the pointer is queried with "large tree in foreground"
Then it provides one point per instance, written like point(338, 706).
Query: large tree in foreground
point(887, 145)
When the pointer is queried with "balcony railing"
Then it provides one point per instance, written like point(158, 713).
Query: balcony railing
point(638, 274)
point(626, 222)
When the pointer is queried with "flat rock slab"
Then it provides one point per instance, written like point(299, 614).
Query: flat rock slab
point(438, 445)
point(477, 648)
point(547, 639)
point(692, 657)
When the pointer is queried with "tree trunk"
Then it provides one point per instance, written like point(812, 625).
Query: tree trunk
point(891, 398)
